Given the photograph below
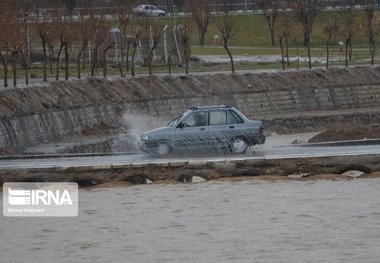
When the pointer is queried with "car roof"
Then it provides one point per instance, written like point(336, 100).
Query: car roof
point(210, 107)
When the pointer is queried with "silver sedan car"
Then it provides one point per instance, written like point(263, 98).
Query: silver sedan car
point(222, 127)
point(148, 10)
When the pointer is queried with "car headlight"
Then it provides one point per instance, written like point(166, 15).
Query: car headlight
point(144, 137)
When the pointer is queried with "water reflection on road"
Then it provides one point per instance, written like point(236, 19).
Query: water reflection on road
point(214, 221)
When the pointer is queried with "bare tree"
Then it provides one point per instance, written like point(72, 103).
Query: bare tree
point(124, 10)
point(135, 42)
point(331, 30)
point(107, 44)
point(307, 12)
point(201, 12)
point(17, 46)
point(347, 28)
point(169, 4)
point(65, 33)
point(170, 55)
point(226, 25)
point(11, 38)
point(85, 32)
point(101, 40)
point(6, 15)
point(44, 30)
point(284, 31)
point(270, 11)
point(150, 35)
point(371, 28)
point(185, 31)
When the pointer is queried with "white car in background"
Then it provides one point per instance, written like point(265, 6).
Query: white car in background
point(148, 10)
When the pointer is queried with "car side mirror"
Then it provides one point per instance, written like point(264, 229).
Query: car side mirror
point(181, 125)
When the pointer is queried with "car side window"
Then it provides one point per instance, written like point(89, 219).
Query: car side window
point(196, 119)
point(236, 117)
point(221, 118)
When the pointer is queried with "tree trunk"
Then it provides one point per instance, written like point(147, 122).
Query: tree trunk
point(105, 59)
point(298, 58)
point(372, 50)
point(127, 61)
point(186, 62)
point(225, 45)
point(5, 66)
point(346, 52)
point(133, 58)
point(94, 58)
point(170, 64)
point(58, 63)
point(14, 69)
point(66, 62)
point(104, 63)
point(84, 59)
point(78, 63)
point(45, 62)
point(26, 67)
point(202, 35)
point(271, 30)
point(327, 53)
point(350, 51)
point(282, 53)
point(51, 54)
point(287, 51)
point(150, 58)
point(122, 47)
point(305, 40)
point(308, 54)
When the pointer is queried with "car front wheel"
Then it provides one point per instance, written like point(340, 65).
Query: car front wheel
point(162, 149)
point(239, 145)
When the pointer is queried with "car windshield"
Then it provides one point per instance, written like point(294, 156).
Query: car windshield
point(171, 123)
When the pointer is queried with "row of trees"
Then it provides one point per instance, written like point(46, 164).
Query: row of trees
point(63, 35)
point(306, 12)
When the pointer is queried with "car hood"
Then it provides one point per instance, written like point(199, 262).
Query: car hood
point(159, 131)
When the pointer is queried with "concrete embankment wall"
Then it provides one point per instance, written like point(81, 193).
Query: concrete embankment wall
point(184, 170)
point(42, 113)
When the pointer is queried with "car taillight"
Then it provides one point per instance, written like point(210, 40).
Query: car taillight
point(261, 130)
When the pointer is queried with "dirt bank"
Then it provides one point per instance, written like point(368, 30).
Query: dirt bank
point(291, 101)
point(353, 132)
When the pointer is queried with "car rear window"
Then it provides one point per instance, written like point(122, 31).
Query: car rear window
point(236, 117)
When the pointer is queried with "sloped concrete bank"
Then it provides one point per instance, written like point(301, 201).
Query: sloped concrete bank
point(184, 170)
point(42, 113)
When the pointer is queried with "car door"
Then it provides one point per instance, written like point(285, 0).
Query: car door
point(191, 132)
point(154, 10)
point(222, 127)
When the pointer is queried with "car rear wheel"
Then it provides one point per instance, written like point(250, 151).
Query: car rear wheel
point(239, 145)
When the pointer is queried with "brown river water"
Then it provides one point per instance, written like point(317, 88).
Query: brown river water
point(214, 221)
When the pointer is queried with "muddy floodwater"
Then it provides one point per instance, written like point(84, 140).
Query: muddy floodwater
point(214, 221)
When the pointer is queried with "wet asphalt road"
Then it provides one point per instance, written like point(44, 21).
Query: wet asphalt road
point(258, 152)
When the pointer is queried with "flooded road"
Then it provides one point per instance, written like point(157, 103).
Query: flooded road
point(213, 221)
